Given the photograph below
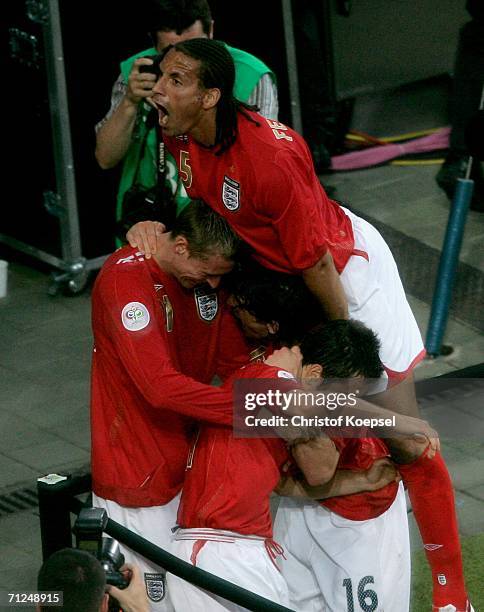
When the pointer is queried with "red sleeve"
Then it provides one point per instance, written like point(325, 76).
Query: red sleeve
point(294, 202)
point(278, 450)
point(145, 353)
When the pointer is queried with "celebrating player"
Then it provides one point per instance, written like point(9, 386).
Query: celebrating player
point(147, 316)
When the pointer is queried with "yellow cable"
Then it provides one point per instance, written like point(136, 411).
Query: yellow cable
point(390, 139)
point(416, 162)
point(410, 135)
point(356, 138)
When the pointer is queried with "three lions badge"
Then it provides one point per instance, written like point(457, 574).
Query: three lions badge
point(231, 194)
point(207, 303)
point(155, 586)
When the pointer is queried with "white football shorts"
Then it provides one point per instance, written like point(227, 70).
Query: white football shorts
point(338, 565)
point(250, 562)
point(376, 298)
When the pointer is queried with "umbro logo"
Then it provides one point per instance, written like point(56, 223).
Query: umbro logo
point(138, 256)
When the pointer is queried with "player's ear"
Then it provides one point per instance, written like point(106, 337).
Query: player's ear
point(273, 327)
point(181, 246)
point(312, 370)
point(210, 98)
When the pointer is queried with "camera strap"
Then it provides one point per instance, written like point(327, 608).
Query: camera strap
point(161, 166)
point(151, 124)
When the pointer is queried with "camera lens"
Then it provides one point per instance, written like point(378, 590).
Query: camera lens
point(110, 550)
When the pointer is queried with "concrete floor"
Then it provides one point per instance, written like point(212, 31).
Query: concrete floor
point(46, 344)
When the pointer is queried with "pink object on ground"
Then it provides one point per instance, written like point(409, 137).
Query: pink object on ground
point(380, 154)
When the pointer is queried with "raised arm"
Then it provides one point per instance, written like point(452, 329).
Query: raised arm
point(114, 136)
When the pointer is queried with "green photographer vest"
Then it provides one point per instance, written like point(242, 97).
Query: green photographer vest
point(248, 72)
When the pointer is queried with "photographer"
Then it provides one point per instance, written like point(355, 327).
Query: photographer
point(81, 579)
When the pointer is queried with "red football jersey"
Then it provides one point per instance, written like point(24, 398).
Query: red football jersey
point(359, 454)
point(266, 188)
point(157, 348)
point(229, 480)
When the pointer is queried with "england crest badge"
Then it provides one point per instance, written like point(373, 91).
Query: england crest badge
point(207, 303)
point(231, 194)
point(155, 586)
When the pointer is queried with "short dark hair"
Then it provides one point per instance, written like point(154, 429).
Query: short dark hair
point(80, 577)
point(178, 15)
point(344, 348)
point(206, 232)
point(217, 69)
point(274, 296)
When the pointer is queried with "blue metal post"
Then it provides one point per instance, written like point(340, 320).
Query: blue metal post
point(448, 265)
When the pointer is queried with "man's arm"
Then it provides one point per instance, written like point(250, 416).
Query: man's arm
point(114, 136)
point(324, 282)
point(344, 482)
point(144, 351)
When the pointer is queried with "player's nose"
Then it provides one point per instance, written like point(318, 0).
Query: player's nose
point(159, 87)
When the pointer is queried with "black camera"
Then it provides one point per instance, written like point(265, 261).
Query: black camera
point(153, 68)
point(88, 529)
point(146, 204)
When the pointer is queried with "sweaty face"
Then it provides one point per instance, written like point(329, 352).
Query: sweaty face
point(250, 325)
point(170, 37)
point(177, 94)
point(192, 271)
